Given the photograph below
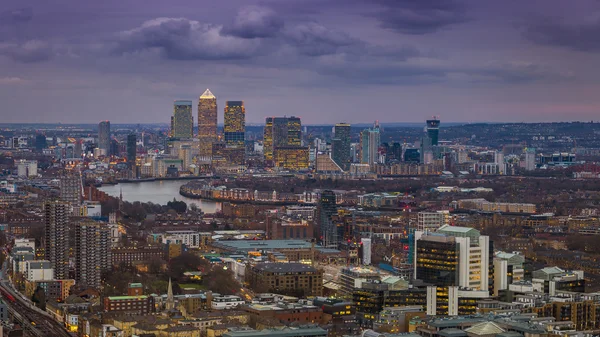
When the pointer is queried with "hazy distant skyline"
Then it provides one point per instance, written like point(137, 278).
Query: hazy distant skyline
point(325, 61)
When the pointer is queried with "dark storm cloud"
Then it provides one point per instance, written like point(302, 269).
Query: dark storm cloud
point(255, 22)
point(27, 52)
point(313, 39)
point(420, 16)
point(582, 36)
point(184, 39)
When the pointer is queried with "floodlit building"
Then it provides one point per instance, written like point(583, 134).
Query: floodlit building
point(207, 122)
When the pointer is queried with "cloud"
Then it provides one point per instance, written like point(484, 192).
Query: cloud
point(255, 22)
point(419, 17)
point(17, 15)
point(31, 51)
point(518, 72)
point(582, 36)
point(11, 80)
point(183, 39)
point(415, 68)
point(313, 39)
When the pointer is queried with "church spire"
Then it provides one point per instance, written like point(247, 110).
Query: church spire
point(170, 299)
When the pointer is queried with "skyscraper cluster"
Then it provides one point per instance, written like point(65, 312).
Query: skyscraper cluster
point(231, 150)
point(283, 143)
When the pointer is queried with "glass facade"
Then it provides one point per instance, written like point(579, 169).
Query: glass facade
point(341, 146)
point(235, 123)
point(182, 123)
point(437, 262)
point(292, 157)
point(281, 132)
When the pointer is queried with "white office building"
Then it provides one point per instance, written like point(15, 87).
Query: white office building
point(39, 270)
point(27, 168)
point(464, 249)
point(366, 247)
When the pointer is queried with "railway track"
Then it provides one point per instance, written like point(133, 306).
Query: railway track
point(34, 321)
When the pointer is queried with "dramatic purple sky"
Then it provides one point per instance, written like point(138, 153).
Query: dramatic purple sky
point(323, 60)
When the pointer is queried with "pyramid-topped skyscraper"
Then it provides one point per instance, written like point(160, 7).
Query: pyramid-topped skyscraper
point(207, 122)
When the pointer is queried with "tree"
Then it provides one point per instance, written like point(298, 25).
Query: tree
point(221, 280)
point(39, 298)
point(186, 262)
point(178, 206)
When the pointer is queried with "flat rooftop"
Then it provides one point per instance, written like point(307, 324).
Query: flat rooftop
point(251, 245)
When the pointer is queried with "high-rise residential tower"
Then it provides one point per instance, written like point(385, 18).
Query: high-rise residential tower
point(327, 208)
point(207, 122)
point(70, 188)
point(56, 221)
point(92, 252)
point(433, 130)
point(281, 132)
point(182, 123)
point(235, 123)
point(370, 139)
point(341, 146)
point(104, 137)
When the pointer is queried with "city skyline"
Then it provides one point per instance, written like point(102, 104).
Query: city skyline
point(465, 61)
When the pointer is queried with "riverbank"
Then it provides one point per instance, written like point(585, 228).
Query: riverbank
point(128, 181)
point(190, 195)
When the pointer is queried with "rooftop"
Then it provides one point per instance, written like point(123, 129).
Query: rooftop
point(250, 245)
point(124, 298)
point(207, 94)
point(285, 267)
point(287, 332)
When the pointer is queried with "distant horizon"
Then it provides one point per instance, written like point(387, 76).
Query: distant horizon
point(388, 124)
point(329, 60)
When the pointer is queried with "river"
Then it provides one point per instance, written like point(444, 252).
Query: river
point(158, 192)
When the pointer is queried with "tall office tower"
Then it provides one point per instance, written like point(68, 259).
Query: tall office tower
point(40, 143)
point(454, 256)
point(207, 122)
point(268, 139)
point(529, 159)
point(235, 123)
point(78, 149)
point(341, 154)
point(327, 208)
point(70, 188)
point(370, 139)
point(182, 123)
point(294, 131)
point(131, 149)
point(104, 137)
point(433, 130)
point(56, 220)
point(281, 132)
point(92, 252)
